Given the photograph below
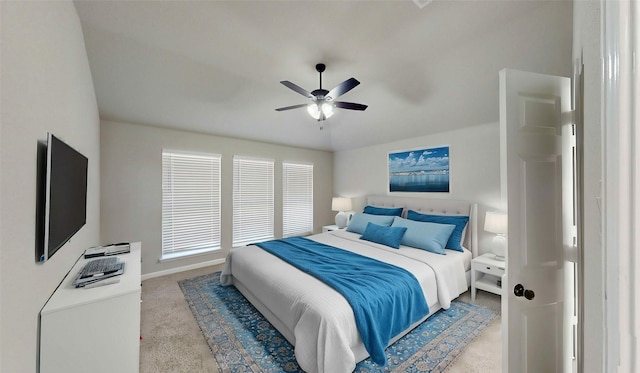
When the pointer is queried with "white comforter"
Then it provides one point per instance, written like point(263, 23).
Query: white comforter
point(316, 319)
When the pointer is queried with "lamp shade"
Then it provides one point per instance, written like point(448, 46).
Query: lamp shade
point(495, 222)
point(341, 204)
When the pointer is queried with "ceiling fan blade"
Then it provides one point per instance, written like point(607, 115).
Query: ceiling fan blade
point(349, 105)
point(291, 107)
point(343, 88)
point(297, 88)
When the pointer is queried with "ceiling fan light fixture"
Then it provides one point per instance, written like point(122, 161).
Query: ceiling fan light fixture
point(316, 108)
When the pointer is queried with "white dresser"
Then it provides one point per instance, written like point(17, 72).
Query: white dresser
point(93, 330)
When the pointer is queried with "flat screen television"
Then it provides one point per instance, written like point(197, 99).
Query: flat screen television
point(65, 195)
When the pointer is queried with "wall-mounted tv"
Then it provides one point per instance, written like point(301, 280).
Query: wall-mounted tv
point(65, 196)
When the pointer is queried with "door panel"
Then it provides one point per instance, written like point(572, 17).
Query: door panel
point(532, 116)
point(539, 206)
point(541, 338)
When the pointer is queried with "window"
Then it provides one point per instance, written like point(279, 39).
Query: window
point(252, 200)
point(190, 203)
point(297, 198)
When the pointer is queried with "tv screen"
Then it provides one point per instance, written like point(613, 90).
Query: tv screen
point(65, 210)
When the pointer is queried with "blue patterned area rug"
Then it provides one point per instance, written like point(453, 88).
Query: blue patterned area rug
point(242, 340)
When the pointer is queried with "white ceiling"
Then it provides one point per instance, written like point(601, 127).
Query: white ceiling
point(215, 66)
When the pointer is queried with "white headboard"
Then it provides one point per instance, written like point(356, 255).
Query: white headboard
point(436, 207)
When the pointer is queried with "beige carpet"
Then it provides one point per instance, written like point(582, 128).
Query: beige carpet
point(172, 341)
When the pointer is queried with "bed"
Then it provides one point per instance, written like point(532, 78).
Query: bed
point(318, 320)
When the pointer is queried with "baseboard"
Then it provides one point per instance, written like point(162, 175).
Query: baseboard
point(183, 268)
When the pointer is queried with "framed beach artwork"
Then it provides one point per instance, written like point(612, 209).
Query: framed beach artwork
point(420, 170)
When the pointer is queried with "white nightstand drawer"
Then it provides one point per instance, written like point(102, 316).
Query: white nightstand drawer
point(490, 269)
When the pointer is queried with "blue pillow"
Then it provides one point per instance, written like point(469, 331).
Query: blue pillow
point(388, 236)
point(359, 222)
point(455, 241)
point(383, 211)
point(424, 235)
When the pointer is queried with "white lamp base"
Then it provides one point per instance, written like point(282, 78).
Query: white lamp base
point(500, 247)
point(341, 219)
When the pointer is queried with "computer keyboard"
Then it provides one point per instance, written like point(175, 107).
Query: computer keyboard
point(102, 265)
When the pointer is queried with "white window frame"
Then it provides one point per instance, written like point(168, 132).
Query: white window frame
point(297, 198)
point(253, 200)
point(191, 203)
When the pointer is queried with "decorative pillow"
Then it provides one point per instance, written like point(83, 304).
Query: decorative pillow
point(383, 211)
point(423, 235)
point(388, 236)
point(359, 222)
point(457, 236)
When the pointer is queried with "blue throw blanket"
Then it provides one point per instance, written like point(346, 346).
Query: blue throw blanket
point(386, 299)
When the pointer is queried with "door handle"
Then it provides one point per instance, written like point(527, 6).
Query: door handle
point(520, 291)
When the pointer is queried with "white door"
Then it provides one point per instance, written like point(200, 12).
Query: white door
point(534, 112)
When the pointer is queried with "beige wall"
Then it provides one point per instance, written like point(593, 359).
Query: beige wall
point(131, 185)
point(474, 165)
point(46, 87)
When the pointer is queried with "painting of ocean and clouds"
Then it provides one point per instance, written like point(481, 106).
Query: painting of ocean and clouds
point(424, 170)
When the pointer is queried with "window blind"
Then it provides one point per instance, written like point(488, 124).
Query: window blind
point(190, 202)
point(252, 200)
point(297, 198)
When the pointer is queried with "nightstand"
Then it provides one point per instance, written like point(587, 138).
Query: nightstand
point(329, 228)
point(486, 274)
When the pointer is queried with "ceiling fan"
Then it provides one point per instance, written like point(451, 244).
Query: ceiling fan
point(323, 102)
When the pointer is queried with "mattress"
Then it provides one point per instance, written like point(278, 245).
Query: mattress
point(315, 318)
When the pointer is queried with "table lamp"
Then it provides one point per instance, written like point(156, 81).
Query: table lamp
point(341, 205)
point(496, 222)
